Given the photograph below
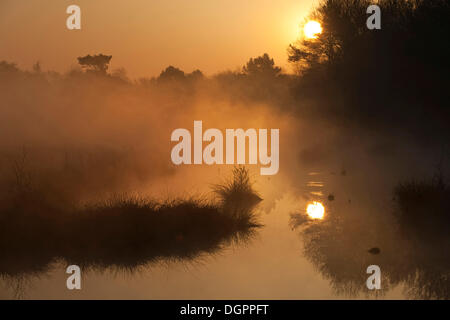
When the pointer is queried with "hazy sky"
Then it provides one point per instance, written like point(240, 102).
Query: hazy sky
point(145, 36)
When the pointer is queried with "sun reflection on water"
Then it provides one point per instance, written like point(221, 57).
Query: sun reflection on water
point(315, 210)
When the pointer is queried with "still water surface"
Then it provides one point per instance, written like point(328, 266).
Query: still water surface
point(273, 264)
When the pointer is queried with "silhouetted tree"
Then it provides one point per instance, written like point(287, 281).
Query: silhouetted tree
point(379, 77)
point(343, 22)
point(171, 73)
point(262, 66)
point(98, 63)
point(195, 75)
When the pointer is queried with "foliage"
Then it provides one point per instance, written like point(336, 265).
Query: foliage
point(97, 63)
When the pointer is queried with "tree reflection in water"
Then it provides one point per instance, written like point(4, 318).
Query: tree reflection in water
point(413, 239)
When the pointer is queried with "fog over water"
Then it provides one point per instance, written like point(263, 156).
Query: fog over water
point(120, 134)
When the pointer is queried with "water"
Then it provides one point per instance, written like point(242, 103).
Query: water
point(290, 257)
point(271, 265)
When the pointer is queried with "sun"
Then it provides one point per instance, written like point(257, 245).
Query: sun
point(315, 210)
point(312, 29)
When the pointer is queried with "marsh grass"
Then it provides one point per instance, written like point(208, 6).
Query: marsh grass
point(237, 196)
point(123, 232)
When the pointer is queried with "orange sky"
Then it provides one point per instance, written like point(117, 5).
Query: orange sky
point(145, 36)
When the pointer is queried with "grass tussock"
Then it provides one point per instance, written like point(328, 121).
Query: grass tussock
point(237, 196)
point(125, 231)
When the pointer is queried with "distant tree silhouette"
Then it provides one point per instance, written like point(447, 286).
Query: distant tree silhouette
point(195, 75)
point(6, 67)
point(98, 63)
point(171, 73)
point(261, 66)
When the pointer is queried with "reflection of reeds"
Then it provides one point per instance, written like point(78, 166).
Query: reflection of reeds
point(124, 231)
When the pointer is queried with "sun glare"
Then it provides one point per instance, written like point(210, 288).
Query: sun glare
point(315, 210)
point(312, 29)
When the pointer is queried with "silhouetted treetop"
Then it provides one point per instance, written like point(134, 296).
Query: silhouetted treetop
point(97, 63)
point(261, 66)
point(196, 75)
point(171, 73)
